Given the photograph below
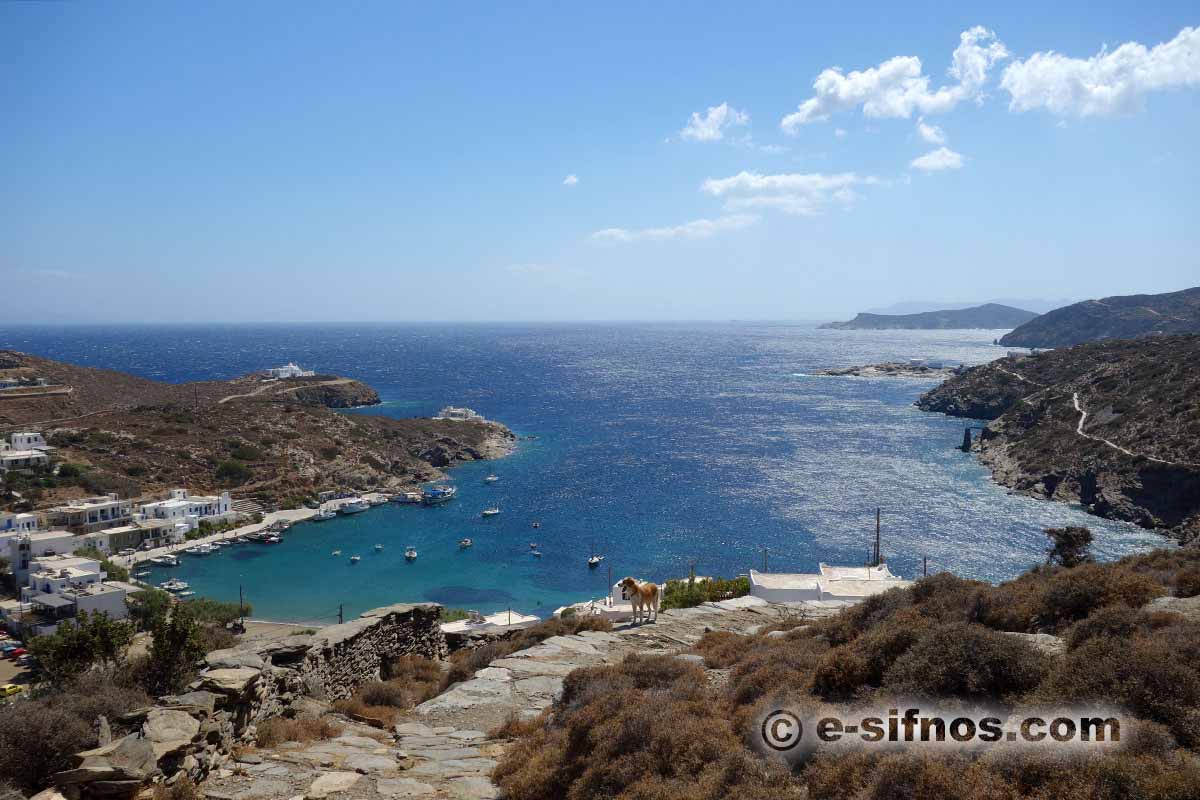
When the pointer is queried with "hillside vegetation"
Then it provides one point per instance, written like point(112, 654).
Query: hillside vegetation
point(1138, 456)
point(658, 727)
point(1124, 317)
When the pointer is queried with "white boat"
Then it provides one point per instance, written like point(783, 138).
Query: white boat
point(489, 512)
point(166, 561)
point(174, 585)
point(536, 553)
point(355, 559)
point(533, 546)
point(354, 506)
point(407, 497)
point(463, 544)
point(143, 574)
point(378, 547)
point(594, 561)
point(377, 500)
point(337, 552)
point(491, 479)
point(186, 594)
point(323, 514)
point(272, 539)
point(410, 553)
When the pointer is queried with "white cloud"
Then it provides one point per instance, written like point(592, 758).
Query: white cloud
point(793, 193)
point(898, 87)
point(712, 126)
point(930, 133)
point(934, 160)
point(1107, 83)
point(696, 229)
point(571, 180)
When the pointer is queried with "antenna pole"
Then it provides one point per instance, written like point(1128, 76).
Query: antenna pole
point(925, 566)
point(341, 616)
point(876, 562)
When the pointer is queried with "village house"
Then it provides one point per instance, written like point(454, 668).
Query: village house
point(91, 514)
point(24, 548)
point(142, 532)
point(13, 522)
point(182, 507)
point(59, 587)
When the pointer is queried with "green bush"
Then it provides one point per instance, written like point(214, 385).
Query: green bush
point(687, 593)
point(233, 472)
point(967, 661)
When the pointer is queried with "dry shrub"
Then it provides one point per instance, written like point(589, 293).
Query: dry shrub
point(967, 661)
point(215, 637)
point(1144, 674)
point(840, 674)
point(381, 716)
point(1187, 581)
point(721, 648)
point(773, 665)
point(1072, 594)
point(848, 625)
point(182, 789)
point(281, 729)
point(514, 727)
point(647, 728)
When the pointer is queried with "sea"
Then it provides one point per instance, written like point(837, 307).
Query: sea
point(667, 448)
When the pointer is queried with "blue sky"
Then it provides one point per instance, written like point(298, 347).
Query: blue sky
point(382, 161)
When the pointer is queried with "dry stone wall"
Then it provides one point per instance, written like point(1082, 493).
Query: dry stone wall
point(194, 733)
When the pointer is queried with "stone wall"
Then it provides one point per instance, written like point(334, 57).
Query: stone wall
point(195, 732)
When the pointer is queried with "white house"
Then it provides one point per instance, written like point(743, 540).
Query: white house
point(290, 370)
point(59, 587)
point(849, 584)
point(459, 414)
point(91, 513)
point(25, 547)
point(140, 532)
point(29, 440)
point(22, 459)
point(183, 507)
point(11, 522)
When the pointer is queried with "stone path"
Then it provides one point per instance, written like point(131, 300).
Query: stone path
point(442, 750)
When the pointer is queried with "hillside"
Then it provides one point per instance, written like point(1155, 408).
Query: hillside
point(989, 316)
point(274, 440)
point(1124, 317)
point(1113, 425)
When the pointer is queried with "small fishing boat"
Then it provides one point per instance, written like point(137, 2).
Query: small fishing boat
point(463, 544)
point(491, 478)
point(186, 594)
point(378, 547)
point(272, 539)
point(536, 553)
point(354, 506)
point(166, 561)
point(143, 574)
point(489, 512)
point(323, 514)
point(594, 561)
point(355, 559)
point(537, 524)
point(174, 585)
point(336, 553)
point(410, 553)
point(438, 494)
point(533, 546)
point(408, 498)
point(377, 500)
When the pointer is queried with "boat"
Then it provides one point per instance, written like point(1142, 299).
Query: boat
point(186, 594)
point(166, 561)
point(378, 547)
point(407, 497)
point(594, 561)
point(463, 544)
point(536, 553)
point(489, 512)
point(242, 539)
point(143, 574)
point(174, 585)
point(272, 539)
point(354, 506)
point(323, 514)
point(337, 552)
point(438, 494)
point(537, 524)
point(491, 479)
point(377, 500)
point(533, 546)
point(355, 559)
point(410, 553)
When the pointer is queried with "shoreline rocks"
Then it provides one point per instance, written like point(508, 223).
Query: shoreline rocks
point(890, 369)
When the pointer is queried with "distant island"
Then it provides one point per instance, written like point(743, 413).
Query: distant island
point(1112, 425)
point(989, 316)
point(893, 369)
point(1123, 317)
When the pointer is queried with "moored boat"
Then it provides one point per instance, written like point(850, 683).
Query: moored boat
point(410, 553)
point(490, 512)
point(355, 559)
point(323, 514)
point(463, 544)
point(594, 561)
point(491, 478)
point(166, 561)
point(378, 548)
point(354, 506)
point(438, 494)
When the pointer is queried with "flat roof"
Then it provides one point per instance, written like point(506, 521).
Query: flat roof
point(51, 600)
point(879, 573)
point(41, 536)
point(785, 580)
point(853, 588)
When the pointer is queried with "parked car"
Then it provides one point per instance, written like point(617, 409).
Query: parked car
point(9, 689)
point(17, 652)
point(128, 551)
point(9, 646)
point(27, 660)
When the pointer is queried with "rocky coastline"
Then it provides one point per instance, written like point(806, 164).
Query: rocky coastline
point(1108, 425)
point(889, 369)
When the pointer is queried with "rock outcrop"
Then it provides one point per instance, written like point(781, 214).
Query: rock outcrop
point(195, 733)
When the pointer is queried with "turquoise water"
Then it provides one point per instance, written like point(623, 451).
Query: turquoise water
point(659, 445)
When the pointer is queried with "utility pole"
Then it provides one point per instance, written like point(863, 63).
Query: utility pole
point(242, 606)
point(925, 566)
point(764, 552)
point(875, 562)
point(341, 616)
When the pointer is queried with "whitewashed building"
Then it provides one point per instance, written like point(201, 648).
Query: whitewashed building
point(58, 587)
point(459, 414)
point(182, 507)
point(91, 513)
point(290, 370)
point(141, 532)
point(13, 522)
point(849, 584)
point(24, 548)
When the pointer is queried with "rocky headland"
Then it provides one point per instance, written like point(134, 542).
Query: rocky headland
point(1112, 425)
point(988, 316)
point(1124, 317)
point(277, 441)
